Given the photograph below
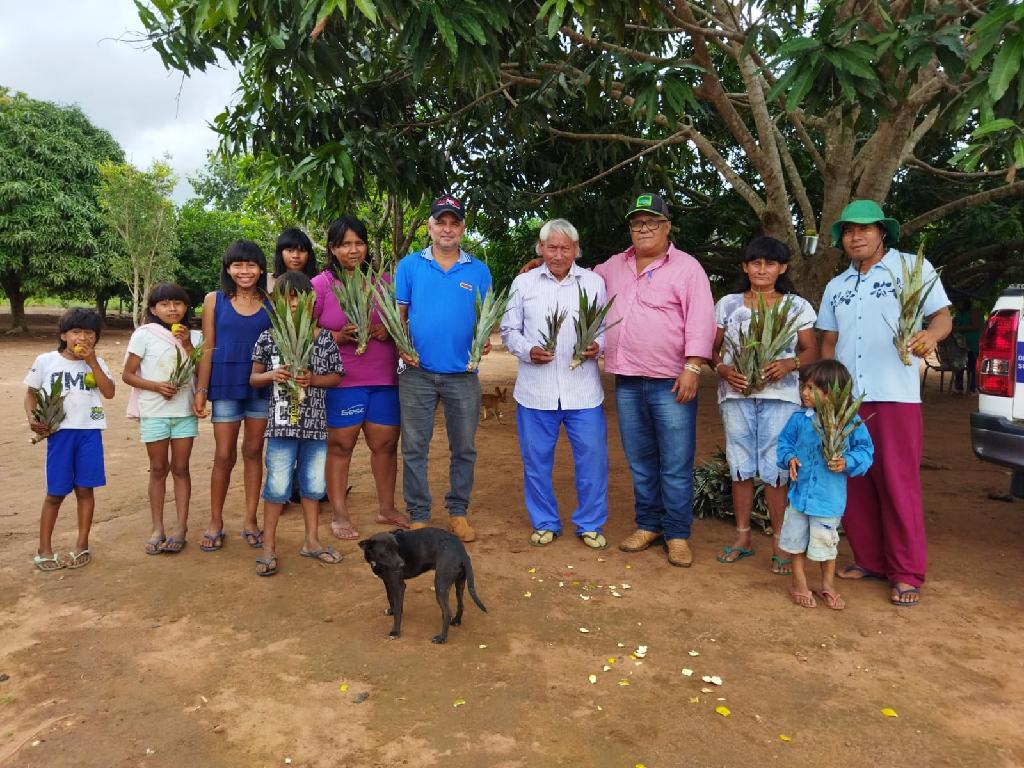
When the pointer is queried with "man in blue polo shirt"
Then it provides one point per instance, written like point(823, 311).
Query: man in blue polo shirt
point(436, 289)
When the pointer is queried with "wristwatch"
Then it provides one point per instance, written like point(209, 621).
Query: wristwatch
point(796, 362)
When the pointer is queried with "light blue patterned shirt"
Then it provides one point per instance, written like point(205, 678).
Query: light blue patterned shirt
point(549, 386)
point(863, 310)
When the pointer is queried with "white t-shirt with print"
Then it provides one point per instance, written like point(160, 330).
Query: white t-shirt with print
point(158, 361)
point(83, 407)
point(733, 315)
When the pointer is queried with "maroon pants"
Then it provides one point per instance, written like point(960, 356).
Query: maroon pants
point(884, 518)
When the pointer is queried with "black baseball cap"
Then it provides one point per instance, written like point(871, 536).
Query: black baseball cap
point(647, 202)
point(448, 204)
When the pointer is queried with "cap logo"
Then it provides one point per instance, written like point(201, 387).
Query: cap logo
point(449, 201)
point(644, 200)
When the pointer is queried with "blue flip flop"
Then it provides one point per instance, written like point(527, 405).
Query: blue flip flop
point(253, 538)
point(865, 574)
point(212, 543)
point(901, 592)
point(743, 552)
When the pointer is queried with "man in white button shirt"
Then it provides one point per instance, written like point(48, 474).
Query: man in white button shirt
point(549, 394)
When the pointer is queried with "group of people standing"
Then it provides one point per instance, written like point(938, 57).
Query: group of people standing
point(661, 327)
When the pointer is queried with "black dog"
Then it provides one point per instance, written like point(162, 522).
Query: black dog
point(400, 555)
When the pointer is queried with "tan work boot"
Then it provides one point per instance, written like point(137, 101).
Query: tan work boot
point(679, 553)
point(461, 528)
point(417, 525)
point(639, 540)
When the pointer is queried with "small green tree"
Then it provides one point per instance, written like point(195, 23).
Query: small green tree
point(50, 224)
point(136, 205)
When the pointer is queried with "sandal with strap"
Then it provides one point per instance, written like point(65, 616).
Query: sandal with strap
point(51, 563)
point(327, 555)
point(594, 539)
point(541, 537)
point(779, 564)
point(741, 552)
point(79, 559)
point(253, 538)
point(173, 545)
point(266, 566)
point(897, 595)
point(212, 542)
point(155, 545)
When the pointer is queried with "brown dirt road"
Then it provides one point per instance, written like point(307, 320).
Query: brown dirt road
point(191, 660)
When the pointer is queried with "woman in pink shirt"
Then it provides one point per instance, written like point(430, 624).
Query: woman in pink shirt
point(367, 399)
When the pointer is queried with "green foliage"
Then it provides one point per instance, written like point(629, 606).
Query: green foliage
point(137, 207)
point(51, 231)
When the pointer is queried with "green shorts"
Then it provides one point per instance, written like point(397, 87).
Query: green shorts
point(152, 429)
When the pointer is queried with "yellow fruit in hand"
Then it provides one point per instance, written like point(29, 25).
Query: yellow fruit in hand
point(919, 348)
point(78, 349)
point(90, 381)
point(175, 327)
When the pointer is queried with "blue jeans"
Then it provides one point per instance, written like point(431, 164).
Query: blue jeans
point(588, 436)
point(282, 455)
point(659, 436)
point(419, 392)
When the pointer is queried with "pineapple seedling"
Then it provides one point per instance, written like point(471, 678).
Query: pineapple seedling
point(354, 291)
point(49, 408)
point(837, 417)
point(770, 333)
point(488, 313)
point(185, 367)
point(588, 324)
point(553, 322)
point(712, 492)
point(391, 317)
point(911, 294)
point(294, 334)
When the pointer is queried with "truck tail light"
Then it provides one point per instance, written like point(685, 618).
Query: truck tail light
point(996, 354)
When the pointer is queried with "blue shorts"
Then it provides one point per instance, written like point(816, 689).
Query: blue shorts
point(752, 427)
point(349, 406)
point(282, 455)
point(818, 537)
point(153, 429)
point(236, 410)
point(74, 459)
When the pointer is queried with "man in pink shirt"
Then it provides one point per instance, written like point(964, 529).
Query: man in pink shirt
point(667, 330)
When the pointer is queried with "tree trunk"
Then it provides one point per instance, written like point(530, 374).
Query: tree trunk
point(12, 287)
point(101, 305)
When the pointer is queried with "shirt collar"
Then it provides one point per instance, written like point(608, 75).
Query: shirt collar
point(428, 254)
point(574, 271)
point(852, 272)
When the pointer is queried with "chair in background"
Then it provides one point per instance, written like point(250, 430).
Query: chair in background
point(950, 356)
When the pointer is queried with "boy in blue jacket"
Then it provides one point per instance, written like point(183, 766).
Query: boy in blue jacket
point(817, 488)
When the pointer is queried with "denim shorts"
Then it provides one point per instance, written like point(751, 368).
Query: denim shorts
point(74, 459)
point(281, 457)
point(236, 410)
point(153, 429)
point(349, 406)
point(752, 427)
point(818, 537)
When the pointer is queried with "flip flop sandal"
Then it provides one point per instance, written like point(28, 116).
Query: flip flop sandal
point(348, 532)
point(541, 538)
point(832, 599)
point(807, 597)
point(399, 521)
point(780, 563)
point(253, 538)
point(865, 574)
point(269, 566)
point(593, 539)
point(155, 546)
point(333, 558)
point(52, 563)
point(901, 592)
point(741, 553)
point(79, 560)
point(212, 543)
point(173, 545)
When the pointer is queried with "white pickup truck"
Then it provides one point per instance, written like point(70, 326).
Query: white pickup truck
point(997, 427)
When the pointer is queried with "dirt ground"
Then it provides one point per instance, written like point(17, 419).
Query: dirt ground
point(191, 660)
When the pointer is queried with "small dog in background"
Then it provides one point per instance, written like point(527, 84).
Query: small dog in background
point(493, 403)
point(400, 555)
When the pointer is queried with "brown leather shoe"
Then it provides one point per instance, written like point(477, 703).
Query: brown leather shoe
point(639, 540)
point(417, 525)
point(679, 553)
point(460, 527)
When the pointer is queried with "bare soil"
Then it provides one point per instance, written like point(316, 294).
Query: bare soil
point(191, 660)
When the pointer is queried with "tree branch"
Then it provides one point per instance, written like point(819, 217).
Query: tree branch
point(622, 137)
point(971, 201)
point(952, 175)
point(796, 183)
point(591, 42)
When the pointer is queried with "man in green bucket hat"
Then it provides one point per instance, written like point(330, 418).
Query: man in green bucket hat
point(884, 519)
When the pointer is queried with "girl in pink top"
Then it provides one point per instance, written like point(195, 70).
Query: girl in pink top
point(367, 399)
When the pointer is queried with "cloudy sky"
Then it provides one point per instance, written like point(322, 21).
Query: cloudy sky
point(68, 51)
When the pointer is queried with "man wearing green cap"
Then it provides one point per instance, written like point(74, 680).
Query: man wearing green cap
point(884, 518)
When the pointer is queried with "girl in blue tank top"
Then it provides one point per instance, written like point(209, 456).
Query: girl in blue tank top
point(233, 318)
